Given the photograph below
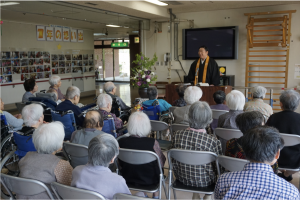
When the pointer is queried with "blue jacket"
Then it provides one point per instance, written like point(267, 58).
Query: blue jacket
point(68, 105)
point(164, 106)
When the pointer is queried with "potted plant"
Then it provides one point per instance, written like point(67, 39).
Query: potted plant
point(143, 75)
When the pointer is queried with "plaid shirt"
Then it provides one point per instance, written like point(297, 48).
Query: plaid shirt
point(198, 140)
point(260, 106)
point(256, 181)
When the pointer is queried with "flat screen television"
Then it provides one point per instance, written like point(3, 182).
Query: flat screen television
point(222, 42)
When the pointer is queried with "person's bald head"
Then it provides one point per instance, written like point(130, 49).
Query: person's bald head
point(93, 119)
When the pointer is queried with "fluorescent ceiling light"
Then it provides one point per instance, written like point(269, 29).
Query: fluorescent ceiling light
point(97, 34)
point(8, 3)
point(110, 25)
point(125, 27)
point(157, 2)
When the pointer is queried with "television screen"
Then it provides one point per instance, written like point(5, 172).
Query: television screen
point(221, 42)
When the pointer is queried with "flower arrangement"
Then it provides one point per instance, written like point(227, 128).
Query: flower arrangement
point(143, 75)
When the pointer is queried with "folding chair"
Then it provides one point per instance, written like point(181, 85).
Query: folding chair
point(68, 120)
point(23, 186)
point(24, 144)
point(77, 154)
point(171, 109)
point(177, 127)
point(50, 96)
point(189, 157)
point(109, 126)
point(139, 157)
point(120, 196)
point(216, 113)
point(232, 164)
point(159, 126)
point(226, 134)
point(67, 192)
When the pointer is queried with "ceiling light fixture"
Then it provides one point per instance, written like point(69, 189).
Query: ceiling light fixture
point(157, 2)
point(111, 25)
point(98, 34)
point(8, 3)
point(125, 26)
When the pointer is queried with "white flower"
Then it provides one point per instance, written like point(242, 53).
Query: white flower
point(145, 70)
point(152, 73)
point(143, 76)
point(140, 71)
point(148, 80)
point(134, 77)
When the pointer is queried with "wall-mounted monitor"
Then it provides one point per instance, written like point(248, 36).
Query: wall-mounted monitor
point(222, 42)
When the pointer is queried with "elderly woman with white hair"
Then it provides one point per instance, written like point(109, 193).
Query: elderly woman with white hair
point(139, 128)
point(111, 89)
point(55, 83)
point(192, 94)
point(258, 104)
point(235, 100)
point(104, 102)
point(43, 165)
point(106, 182)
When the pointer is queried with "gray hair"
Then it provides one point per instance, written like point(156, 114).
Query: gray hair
point(32, 113)
point(53, 91)
point(139, 124)
point(48, 138)
point(109, 86)
point(152, 92)
point(235, 100)
point(290, 100)
point(200, 115)
point(192, 94)
point(259, 92)
point(103, 100)
point(102, 149)
point(72, 91)
point(53, 80)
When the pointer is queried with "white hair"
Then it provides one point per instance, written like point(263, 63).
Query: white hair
point(235, 100)
point(259, 92)
point(32, 113)
point(103, 100)
point(72, 91)
point(109, 86)
point(53, 80)
point(48, 138)
point(192, 94)
point(139, 124)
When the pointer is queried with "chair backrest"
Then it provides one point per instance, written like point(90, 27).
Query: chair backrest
point(24, 144)
point(84, 108)
point(50, 96)
point(290, 140)
point(228, 134)
point(20, 106)
point(177, 127)
point(48, 102)
point(232, 164)
point(23, 186)
point(153, 112)
point(68, 120)
point(190, 157)
point(67, 192)
point(158, 125)
point(109, 126)
point(171, 109)
point(120, 196)
point(77, 153)
point(216, 113)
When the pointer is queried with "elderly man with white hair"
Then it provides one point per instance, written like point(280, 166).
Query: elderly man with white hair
point(192, 94)
point(139, 128)
point(258, 104)
point(72, 99)
point(55, 83)
point(111, 89)
point(235, 100)
point(43, 165)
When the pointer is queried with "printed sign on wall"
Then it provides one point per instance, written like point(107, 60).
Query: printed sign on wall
point(58, 34)
point(40, 32)
point(66, 35)
point(49, 34)
point(74, 35)
point(80, 35)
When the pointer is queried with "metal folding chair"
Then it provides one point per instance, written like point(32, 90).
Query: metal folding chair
point(216, 113)
point(77, 154)
point(159, 126)
point(139, 157)
point(226, 134)
point(120, 196)
point(190, 157)
point(23, 186)
point(171, 109)
point(67, 192)
point(68, 120)
point(232, 164)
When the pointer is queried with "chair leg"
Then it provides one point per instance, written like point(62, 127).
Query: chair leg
point(169, 184)
point(164, 185)
point(174, 194)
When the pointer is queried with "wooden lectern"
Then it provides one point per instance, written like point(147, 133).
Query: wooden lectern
point(208, 91)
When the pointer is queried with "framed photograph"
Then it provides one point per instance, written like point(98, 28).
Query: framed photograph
point(68, 63)
point(5, 55)
point(16, 70)
point(85, 56)
point(15, 55)
point(54, 64)
point(23, 54)
point(54, 57)
point(54, 70)
point(62, 63)
point(24, 62)
point(47, 68)
point(46, 54)
point(40, 68)
point(33, 75)
point(24, 70)
point(32, 69)
point(38, 54)
point(61, 57)
point(47, 74)
point(31, 54)
point(61, 71)
point(68, 57)
point(15, 62)
point(47, 61)
point(40, 75)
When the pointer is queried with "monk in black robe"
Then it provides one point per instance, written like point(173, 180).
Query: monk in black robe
point(212, 74)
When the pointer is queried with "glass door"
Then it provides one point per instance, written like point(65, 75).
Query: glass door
point(122, 65)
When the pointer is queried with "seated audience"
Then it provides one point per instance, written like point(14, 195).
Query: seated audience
point(53, 91)
point(72, 99)
point(55, 83)
point(152, 95)
point(111, 90)
point(104, 102)
point(31, 87)
point(180, 91)
point(139, 128)
point(258, 104)
point(219, 98)
point(43, 165)
point(196, 138)
point(191, 95)
point(287, 121)
point(95, 175)
point(15, 121)
point(33, 117)
point(235, 100)
point(262, 147)
point(245, 121)
point(92, 127)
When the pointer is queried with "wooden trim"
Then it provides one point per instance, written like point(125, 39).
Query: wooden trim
point(266, 60)
point(266, 82)
point(269, 19)
point(273, 94)
point(266, 77)
point(266, 45)
point(267, 65)
point(271, 30)
point(267, 40)
point(267, 55)
point(269, 71)
point(271, 13)
point(275, 35)
point(268, 50)
point(247, 57)
point(267, 25)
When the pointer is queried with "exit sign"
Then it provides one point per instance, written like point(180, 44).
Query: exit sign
point(119, 44)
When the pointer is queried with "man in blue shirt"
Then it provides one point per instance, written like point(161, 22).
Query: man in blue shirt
point(152, 94)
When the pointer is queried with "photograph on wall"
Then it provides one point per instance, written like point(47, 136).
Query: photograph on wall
point(74, 63)
point(79, 57)
point(47, 61)
point(68, 57)
point(66, 34)
point(6, 70)
point(38, 54)
point(6, 63)
point(24, 69)
point(40, 68)
point(1, 70)
point(31, 54)
point(62, 63)
point(68, 69)
point(24, 62)
point(24, 77)
point(73, 35)
point(32, 69)
point(91, 62)
point(47, 68)
point(40, 75)
point(38, 61)
point(79, 63)
point(54, 57)
point(49, 33)
point(23, 54)
point(91, 56)
point(6, 79)
point(15, 55)
point(33, 75)
point(54, 64)
point(31, 61)
point(46, 54)
point(40, 33)
point(91, 69)
point(16, 70)
point(74, 57)
point(5, 55)
point(61, 57)
point(77, 70)
point(85, 56)
point(85, 63)
point(47, 74)
point(68, 63)
point(15, 62)
point(58, 34)
point(80, 35)
point(61, 70)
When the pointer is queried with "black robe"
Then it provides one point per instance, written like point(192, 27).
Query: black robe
point(212, 75)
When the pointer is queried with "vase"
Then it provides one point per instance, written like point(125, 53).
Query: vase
point(143, 92)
